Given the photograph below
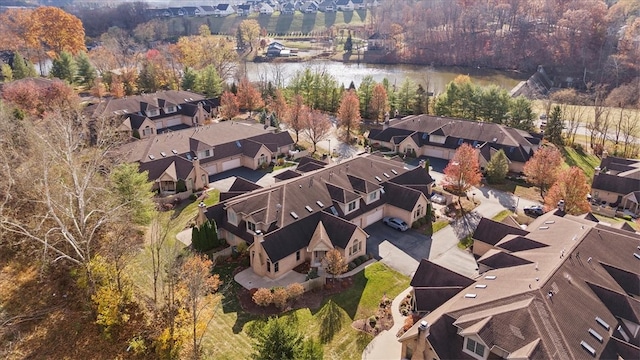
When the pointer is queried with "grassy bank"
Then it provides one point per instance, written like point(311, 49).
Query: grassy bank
point(584, 161)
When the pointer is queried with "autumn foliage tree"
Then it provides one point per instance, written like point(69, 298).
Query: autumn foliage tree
point(249, 97)
point(37, 99)
point(379, 102)
point(294, 118)
point(463, 171)
point(249, 30)
point(335, 263)
point(572, 187)
point(228, 105)
point(349, 113)
point(317, 127)
point(542, 169)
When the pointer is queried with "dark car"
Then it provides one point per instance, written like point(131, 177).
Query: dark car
point(396, 223)
point(534, 210)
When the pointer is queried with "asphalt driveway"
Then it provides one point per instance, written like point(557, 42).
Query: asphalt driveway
point(400, 250)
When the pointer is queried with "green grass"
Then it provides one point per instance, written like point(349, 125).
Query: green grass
point(437, 226)
point(275, 24)
point(501, 215)
point(584, 161)
point(616, 220)
point(229, 335)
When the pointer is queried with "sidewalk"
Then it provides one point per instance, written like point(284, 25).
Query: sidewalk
point(385, 346)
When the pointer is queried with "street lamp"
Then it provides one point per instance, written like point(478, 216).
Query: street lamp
point(473, 198)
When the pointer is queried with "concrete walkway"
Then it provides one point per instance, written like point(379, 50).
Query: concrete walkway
point(249, 280)
point(385, 346)
point(184, 236)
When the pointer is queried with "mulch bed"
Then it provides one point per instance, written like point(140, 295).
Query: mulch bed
point(312, 299)
point(384, 319)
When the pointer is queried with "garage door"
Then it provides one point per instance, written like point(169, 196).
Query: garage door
point(376, 216)
point(436, 153)
point(231, 164)
point(173, 122)
point(211, 169)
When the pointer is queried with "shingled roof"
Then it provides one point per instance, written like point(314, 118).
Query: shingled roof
point(491, 232)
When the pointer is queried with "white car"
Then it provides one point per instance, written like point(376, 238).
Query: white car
point(396, 223)
point(438, 199)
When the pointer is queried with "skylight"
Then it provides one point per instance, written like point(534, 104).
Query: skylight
point(460, 141)
point(164, 154)
point(334, 211)
point(309, 209)
point(174, 151)
point(294, 215)
point(490, 277)
point(386, 175)
point(189, 156)
point(549, 222)
point(481, 286)
point(543, 227)
point(378, 178)
point(588, 347)
point(151, 157)
point(320, 203)
point(470, 296)
point(425, 136)
point(238, 144)
point(636, 255)
point(602, 322)
point(394, 172)
point(595, 335)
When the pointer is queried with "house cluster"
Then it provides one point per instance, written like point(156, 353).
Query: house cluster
point(616, 183)
point(150, 114)
point(265, 7)
point(439, 137)
point(567, 287)
point(316, 208)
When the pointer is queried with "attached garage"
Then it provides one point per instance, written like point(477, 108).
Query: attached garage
point(231, 164)
point(211, 169)
point(374, 217)
point(173, 122)
point(436, 153)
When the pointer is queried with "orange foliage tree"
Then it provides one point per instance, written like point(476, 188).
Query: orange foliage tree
point(278, 105)
point(249, 97)
point(317, 127)
point(463, 171)
point(542, 169)
point(379, 102)
point(228, 105)
point(571, 186)
point(294, 117)
point(349, 113)
point(36, 99)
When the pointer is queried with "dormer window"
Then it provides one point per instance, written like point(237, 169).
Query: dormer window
point(251, 226)
point(231, 216)
point(153, 112)
point(171, 109)
point(352, 206)
point(205, 154)
point(474, 348)
point(373, 196)
point(147, 131)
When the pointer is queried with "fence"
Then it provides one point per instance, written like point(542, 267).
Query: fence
point(313, 284)
point(171, 198)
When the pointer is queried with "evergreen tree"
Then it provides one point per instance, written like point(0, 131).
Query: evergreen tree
point(22, 68)
point(209, 82)
point(148, 78)
point(348, 44)
point(64, 67)
point(189, 79)
point(196, 244)
point(86, 71)
point(277, 340)
point(497, 167)
point(6, 73)
point(553, 132)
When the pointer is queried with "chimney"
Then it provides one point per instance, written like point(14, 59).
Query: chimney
point(202, 217)
point(561, 205)
point(597, 171)
point(423, 328)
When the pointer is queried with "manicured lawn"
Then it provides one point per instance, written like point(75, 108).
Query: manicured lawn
point(502, 215)
point(522, 190)
point(229, 335)
point(438, 225)
point(584, 161)
point(616, 220)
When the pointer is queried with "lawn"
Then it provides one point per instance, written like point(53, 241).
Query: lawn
point(584, 161)
point(501, 215)
point(229, 333)
point(275, 25)
point(616, 221)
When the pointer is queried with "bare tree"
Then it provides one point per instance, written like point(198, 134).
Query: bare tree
point(631, 133)
point(317, 127)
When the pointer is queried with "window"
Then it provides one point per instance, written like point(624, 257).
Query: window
point(207, 153)
point(171, 109)
point(232, 217)
point(251, 226)
point(373, 196)
point(147, 131)
point(298, 255)
point(418, 211)
point(204, 179)
point(276, 267)
point(352, 206)
point(475, 347)
point(268, 266)
point(262, 160)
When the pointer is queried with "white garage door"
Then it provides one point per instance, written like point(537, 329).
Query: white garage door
point(173, 122)
point(211, 169)
point(231, 164)
point(376, 216)
point(436, 153)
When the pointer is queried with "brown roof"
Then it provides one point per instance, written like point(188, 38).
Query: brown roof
point(491, 232)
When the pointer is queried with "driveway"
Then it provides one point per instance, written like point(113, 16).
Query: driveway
point(400, 250)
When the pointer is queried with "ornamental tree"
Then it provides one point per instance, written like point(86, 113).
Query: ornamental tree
point(463, 171)
point(571, 186)
point(542, 169)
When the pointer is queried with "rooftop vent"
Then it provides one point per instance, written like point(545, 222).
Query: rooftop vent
point(386, 175)
point(294, 215)
point(309, 209)
point(470, 296)
point(596, 335)
point(481, 286)
point(549, 222)
point(394, 172)
point(174, 151)
point(602, 323)
point(494, 140)
point(490, 277)
point(588, 347)
point(319, 203)
point(151, 157)
point(164, 154)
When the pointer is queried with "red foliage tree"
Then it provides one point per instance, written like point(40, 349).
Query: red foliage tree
point(542, 169)
point(228, 105)
point(37, 99)
point(349, 113)
point(463, 171)
point(571, 186)
point(249, 97)
point(294, 117)
point(317, 127)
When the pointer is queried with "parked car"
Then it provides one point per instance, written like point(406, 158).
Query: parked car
point(438, 199)
point(396, 223)
point(534, 210)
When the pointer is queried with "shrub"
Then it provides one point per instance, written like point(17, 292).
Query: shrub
point(363, 258)
point(352, 265)
point(312, 274)
point(408, 323)
point(193, 197)
point(373, 321)
point(295, 290)
point(280, 297)
point(242, 247)
point(627, 217)
point(280, 162)
point(357, 261)
point(263, 297)
point(181, 186)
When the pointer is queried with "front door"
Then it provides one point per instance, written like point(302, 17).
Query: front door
point(318, 256)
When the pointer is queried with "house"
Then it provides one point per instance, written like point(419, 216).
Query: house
point(439, 137)
point(206, 10)
point(327, 6)
point(359, 4)
point(265, 9)
point(192, 155)
point(378, 41)
point(617, 182)
point(302, 217)
point(243, 10)
point(177, 11)
point(288, 8)
point(432, 285)
point(223, 10)
point(373, 3)
point(275, 49)
point(309, 7)
point(149, 114)
point(344, 5)
point(192, 11)
point(568, 289)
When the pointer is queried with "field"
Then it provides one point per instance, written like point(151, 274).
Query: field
point(276, 24)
